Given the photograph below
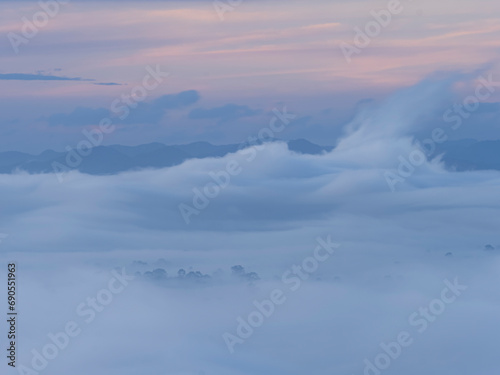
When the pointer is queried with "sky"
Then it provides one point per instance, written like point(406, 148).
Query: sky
point(259, 56)
point(369, 259)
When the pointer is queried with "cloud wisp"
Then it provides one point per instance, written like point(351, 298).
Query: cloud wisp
point(39, 77)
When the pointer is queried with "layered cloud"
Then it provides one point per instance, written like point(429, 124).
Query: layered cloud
point(416, 240)
point(398, 253)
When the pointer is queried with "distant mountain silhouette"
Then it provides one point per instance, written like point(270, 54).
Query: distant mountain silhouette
point(469, 154)
point(460, 155)
point(116, 158)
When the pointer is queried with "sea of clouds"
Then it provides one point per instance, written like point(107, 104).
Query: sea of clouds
point(397, 251)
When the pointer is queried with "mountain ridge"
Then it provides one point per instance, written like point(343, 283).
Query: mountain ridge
point(116, 158)
point(461, 155)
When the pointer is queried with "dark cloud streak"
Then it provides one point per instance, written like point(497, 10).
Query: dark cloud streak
point(39, 77)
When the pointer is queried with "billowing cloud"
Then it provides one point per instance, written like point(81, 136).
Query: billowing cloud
point(397, 249)
point(417, 257)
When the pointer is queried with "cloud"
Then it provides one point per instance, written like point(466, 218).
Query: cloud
point(225, 113)
point(391, 261)
point(151, 112)
point(38, 77)
point(266, 220)
point(176, 101)
point(108, 84)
